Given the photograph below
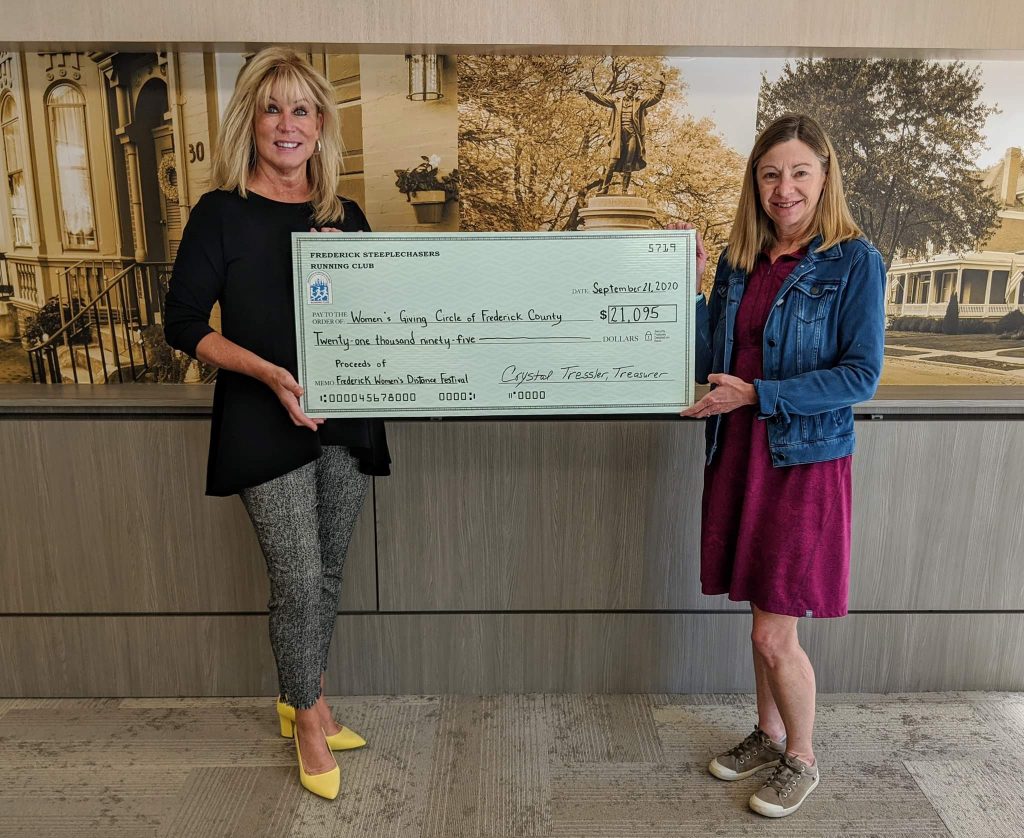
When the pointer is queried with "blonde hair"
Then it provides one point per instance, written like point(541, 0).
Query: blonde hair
point(235, 157)
point(753, 230)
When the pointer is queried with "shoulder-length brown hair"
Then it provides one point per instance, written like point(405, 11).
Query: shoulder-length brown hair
point(235, 157)
point(753, 230)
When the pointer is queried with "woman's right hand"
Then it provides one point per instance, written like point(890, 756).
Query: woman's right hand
point(702, 254)
point(288, 391)
point(222, 353)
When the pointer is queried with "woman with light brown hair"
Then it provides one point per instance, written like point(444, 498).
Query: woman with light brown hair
point(302, 480)
point(790, 338)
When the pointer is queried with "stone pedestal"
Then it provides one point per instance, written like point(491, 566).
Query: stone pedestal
point(618, 212)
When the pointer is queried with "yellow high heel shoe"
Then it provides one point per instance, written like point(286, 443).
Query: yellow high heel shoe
point(344, 740)
point(326, 785)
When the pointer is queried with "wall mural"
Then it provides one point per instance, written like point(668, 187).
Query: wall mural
point(104, 153)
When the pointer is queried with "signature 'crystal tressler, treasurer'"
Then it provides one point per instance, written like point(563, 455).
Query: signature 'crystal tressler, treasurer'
point(302, 480)
point(790, 337)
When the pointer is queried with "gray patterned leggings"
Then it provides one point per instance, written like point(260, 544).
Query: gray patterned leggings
point(304, 521)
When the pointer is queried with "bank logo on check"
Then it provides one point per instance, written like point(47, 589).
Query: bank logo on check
point(318, 285)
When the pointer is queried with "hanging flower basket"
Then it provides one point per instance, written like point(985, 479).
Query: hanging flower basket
point(428, 190)
point(428, 205)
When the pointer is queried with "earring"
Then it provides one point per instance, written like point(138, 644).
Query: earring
point(319, 147)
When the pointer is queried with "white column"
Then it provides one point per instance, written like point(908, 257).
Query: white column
point(131, 160)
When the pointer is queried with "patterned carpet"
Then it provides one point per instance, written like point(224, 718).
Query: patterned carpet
point(545, 766)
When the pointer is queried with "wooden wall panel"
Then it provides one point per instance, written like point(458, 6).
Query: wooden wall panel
point(488, 653)
point(541, 515)
point(687, 653)
point(606, 515)
point(108, 515)
point(939, 516)
point(679, 25)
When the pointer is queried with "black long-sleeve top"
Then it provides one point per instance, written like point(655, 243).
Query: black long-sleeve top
point(238, 251)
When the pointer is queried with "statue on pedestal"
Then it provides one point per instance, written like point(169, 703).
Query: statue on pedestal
point(626, 145)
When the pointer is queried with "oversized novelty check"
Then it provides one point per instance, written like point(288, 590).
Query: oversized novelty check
point(494, 324)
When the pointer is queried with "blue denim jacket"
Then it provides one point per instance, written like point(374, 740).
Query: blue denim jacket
point(822, 349)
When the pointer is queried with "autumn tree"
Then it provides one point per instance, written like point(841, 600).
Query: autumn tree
point(523, 150)
point(907, 134)
point(533, 149)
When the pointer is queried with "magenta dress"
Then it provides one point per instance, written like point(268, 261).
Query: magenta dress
point(776, 537)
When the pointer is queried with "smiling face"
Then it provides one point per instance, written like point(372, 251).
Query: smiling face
point(286, 130)
point(790, 179)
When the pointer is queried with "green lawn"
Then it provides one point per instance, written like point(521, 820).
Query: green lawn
point(984, 363)
point(901, 353)
point(952, 343)
point(1013, 353)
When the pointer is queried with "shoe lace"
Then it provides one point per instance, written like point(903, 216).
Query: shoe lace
point(755, 742)
point(786, 775)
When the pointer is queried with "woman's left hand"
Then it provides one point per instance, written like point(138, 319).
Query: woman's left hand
point(729, 393)
point(324, 230)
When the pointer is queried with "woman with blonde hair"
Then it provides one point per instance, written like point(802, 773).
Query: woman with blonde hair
point(301, 480)
point(790, 338)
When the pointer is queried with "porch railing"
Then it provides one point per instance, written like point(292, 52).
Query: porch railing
point(86, 279)
point(26, 279)
point(102, 340)
point(939, 309)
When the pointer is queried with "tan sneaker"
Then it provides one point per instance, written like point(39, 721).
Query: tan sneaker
point(786, 789)
point(755, 752)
